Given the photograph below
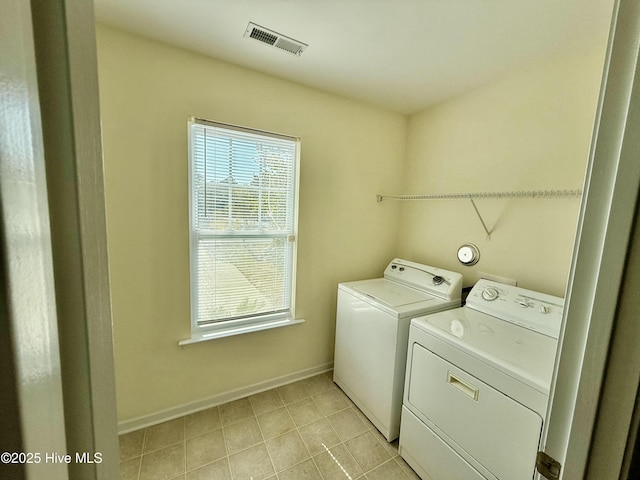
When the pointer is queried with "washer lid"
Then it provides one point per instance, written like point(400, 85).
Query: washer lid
point(390, 293)
point(517, 351)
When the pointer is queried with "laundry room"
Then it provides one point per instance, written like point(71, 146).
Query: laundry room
point(516, 135)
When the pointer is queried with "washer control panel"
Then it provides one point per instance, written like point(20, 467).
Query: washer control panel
point(533, 310)
point(436, 281)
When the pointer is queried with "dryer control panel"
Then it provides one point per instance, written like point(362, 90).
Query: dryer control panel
point(533, 310)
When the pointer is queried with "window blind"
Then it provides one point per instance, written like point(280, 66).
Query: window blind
point(242, 222)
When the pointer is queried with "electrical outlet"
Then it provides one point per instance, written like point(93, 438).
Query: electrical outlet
point(497, 278)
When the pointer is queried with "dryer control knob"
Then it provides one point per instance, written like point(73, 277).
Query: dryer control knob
point(490, 294)
point(543, 309)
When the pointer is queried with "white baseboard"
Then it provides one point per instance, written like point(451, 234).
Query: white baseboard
point(192, 407)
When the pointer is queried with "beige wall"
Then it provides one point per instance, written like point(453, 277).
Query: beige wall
point(148, 90)
point(529, 130)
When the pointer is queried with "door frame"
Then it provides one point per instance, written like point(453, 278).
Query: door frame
point(55, 300)
point(599, 265)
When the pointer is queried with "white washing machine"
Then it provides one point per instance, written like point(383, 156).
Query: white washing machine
point(372, 328)
point(477, 385)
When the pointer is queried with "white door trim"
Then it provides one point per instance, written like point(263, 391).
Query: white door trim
point(600, 252)
point(66, 59)
point(31, 357)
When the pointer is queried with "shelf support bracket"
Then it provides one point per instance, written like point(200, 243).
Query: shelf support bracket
point(484, 225)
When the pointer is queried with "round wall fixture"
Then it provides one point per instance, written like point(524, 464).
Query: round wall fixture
point(468, 254)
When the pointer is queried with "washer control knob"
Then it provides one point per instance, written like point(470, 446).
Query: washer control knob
point(543, 309)
point(523, 303)
point(401, 269)
point(490, 294)
point(437, 280)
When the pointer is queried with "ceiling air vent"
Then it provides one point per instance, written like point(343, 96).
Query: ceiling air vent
point(274, 39)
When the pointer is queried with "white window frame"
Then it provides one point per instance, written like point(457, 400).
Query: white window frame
point(225, 328)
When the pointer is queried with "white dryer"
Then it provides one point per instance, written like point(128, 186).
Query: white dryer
point(372, 328)
point(477, 385)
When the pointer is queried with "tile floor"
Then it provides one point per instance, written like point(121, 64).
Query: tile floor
point(305, 430)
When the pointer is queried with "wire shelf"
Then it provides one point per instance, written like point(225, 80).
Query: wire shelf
point(541, 194)
point(482, 195)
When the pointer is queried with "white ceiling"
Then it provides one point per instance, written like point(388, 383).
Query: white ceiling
point(403, 55)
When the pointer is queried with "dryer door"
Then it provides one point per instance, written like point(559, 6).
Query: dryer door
point(499, 433)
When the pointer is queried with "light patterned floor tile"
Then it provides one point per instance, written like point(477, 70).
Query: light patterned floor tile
point(251, 464)
point(202, 422)
point(164, 434)
point(406, 468)
point(306, 470)
point(331, 401)
point(387, 471)
point(318, 384)
point(205, 449)
point(391, 447)
point(287, 450)
point(307, 430)
point(305, 412)
point(319, 436)
point(214, 471)
point(367, 451)
point(163, 464)
point(131, 445)
point(363, 418)
point(235, 411)
point(337, 464)
point(130, 469)
point(293, 392)
point(242, 435)
point(347, 424)
point(266, 402)
point(275, 423)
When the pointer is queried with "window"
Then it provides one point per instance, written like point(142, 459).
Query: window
point(243, 202)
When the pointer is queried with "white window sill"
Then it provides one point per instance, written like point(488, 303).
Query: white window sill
point(238, 330)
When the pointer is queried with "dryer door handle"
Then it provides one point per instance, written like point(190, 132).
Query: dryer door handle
point(465, 387)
